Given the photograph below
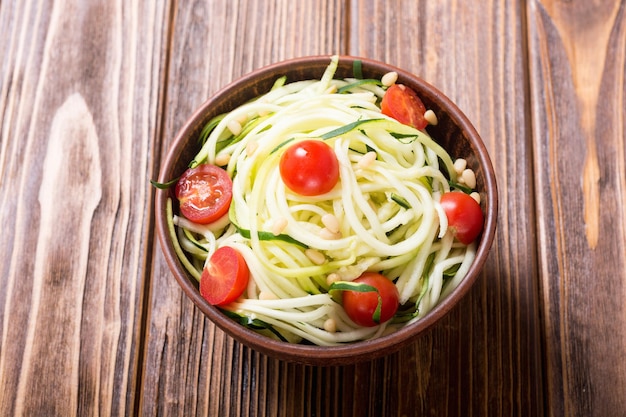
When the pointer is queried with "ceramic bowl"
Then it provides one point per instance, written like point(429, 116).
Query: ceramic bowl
point(454, 132)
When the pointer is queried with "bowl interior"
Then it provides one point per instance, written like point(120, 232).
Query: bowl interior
point(453, 131)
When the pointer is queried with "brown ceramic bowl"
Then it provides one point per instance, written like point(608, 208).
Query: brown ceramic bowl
point(454, 132)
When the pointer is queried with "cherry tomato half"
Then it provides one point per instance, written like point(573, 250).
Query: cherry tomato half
point(465, 218)
point(204, 193)
point(360, 306)
point(225, 276)
point(309, 167)
point(404, 105)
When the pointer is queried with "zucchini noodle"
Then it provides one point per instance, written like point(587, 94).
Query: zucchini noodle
point(387, 208)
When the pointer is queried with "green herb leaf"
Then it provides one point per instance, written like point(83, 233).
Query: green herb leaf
point(346, 128)
point(164, 185)
point(283, 237)
point(357, 69)
point(402, 136)
point(270, 236)
point(254, 324)
point(358, 287)
point(457, 186)
point(401, 201)
point(351, 286)
point(350, 86)
point(280, 145)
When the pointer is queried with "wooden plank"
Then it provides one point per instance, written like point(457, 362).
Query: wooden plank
point(577, 61)
point(485, 358)
point(192, 368)
point(78, 94)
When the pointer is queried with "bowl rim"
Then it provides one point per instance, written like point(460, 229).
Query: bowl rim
point(356, 351)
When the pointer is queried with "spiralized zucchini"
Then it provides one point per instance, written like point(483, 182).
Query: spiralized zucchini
point(389, 217)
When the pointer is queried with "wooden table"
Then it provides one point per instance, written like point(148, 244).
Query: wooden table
point(92, 321)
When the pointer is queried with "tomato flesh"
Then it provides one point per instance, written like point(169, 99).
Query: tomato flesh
point(465, 217)
point(360, 306)
point(403, 104)
point(204, 193)
point(225, 276)
point(309, 167)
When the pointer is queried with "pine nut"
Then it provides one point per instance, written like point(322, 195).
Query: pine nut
point(330, 325)
point(328, 235)
point(389, 79)
point(235, 127)
point(315, 256)
point(469, 178)
point(251, 147)
point(267, 295)
point(242, 119)
point(222, 159)
point(331, 222)
point(332, 277)
point(367, 160)
point(431, 117)
point(459, 165)
point(475, 196)
point(278, 226)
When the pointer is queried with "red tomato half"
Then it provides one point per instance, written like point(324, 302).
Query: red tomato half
point(309, 167)
point(404, 105)
point(465, 218)
point(360, 306)
point(204, 193)
point(225, 276)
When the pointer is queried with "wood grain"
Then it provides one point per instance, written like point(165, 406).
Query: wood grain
point(78, 99)
point(192, 368)
point(577, 61)
point(476, 56)
point(457, 352)
point(72, 146)
point(92, 321)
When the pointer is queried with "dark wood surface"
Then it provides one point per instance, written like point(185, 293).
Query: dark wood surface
point(92, 94)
